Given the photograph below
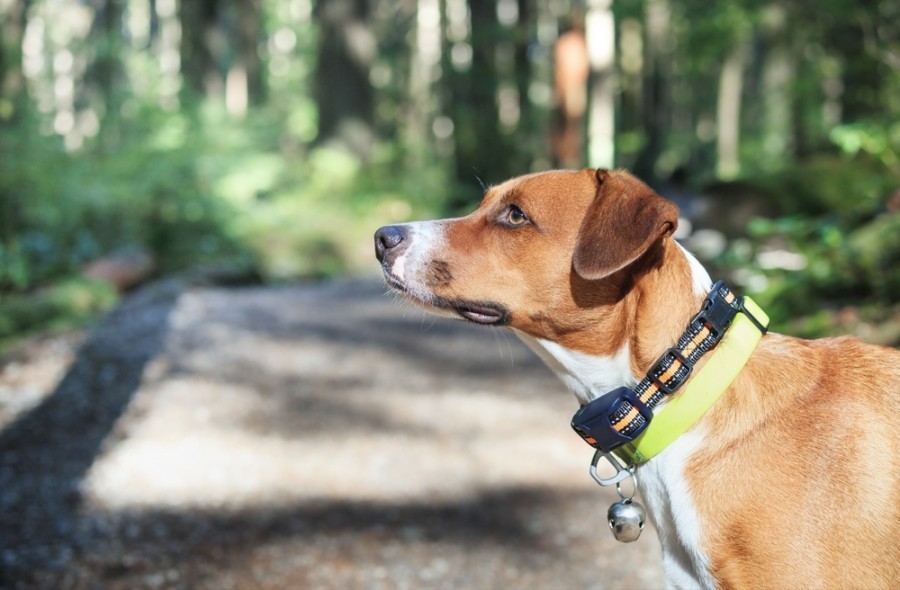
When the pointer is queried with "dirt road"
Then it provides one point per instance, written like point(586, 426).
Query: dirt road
point(309, 436)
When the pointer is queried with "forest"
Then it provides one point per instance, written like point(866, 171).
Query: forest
point(264, 140)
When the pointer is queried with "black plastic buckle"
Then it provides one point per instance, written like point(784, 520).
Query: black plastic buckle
point(656, 371)
point(592, 423)
point(717, 313)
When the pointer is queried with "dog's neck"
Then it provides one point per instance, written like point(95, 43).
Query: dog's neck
point(650, 316)
point(665, 298)
point(655, 311)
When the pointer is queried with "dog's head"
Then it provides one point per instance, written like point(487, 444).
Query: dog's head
point(547, 254)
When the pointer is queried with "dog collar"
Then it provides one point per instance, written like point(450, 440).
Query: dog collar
point(728, 328)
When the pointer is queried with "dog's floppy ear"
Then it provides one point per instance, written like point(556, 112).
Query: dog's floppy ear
point(625, 219)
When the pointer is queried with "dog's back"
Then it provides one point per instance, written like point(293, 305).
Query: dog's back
point(799, 476)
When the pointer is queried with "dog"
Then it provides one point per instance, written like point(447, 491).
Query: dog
point(790, 478)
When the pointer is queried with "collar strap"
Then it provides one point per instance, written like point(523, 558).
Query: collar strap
point(621, 419)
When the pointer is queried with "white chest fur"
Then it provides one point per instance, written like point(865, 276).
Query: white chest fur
point(671, 507)
point(661, 481)
point(584, 375)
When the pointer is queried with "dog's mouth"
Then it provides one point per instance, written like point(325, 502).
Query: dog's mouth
point(394, 283)
point(486, 313)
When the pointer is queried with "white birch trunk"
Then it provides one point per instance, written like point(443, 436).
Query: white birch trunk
point(728, 113)
point(600, 31)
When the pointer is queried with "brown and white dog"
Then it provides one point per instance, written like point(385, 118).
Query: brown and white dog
point(791, 480)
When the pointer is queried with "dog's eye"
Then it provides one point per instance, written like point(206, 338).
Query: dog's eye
point(514, 216)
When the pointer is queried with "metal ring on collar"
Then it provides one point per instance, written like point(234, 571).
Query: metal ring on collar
point(622, 472)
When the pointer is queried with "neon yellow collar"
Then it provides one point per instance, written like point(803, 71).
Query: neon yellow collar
point(702, 389)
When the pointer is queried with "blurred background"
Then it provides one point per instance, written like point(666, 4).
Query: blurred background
point(195, 354)
point(265, 139)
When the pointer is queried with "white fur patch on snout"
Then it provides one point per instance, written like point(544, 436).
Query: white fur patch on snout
point(399, 267)
point(425, 239)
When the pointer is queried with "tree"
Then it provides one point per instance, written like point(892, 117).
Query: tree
point(198, 65)
point(248, 64)
point(656, 86)
point(728, 113)
point(105, 75)
point(571, 70)
point(524, 74)
point(343, 92)
point(481, 150)
point(13, 15)
point(425, 70)
point(601, 34)
point(12, 107)
point(778, 73)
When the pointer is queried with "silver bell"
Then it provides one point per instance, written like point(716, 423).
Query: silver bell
point(626, 520)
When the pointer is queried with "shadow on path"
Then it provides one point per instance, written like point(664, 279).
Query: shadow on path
point(125, 549)
point(51, 447)
point(536, 535)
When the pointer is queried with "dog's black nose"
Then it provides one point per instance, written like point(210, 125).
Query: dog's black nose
point(387, 238)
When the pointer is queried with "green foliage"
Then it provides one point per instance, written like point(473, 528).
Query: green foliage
point(66, 304)
point(269, 193)
point(877, 140)
point(835, 216)
point(314, 216)
point(202, 191)
point(845, 262)
point(828, 184)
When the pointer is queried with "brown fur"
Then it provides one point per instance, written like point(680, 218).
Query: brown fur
point(797, 484)
point(798, 487)
point(621, 203)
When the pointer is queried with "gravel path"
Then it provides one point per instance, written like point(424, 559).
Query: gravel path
point(308, 436)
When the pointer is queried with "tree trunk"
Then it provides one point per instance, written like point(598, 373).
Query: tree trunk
point(344, 95)
point(480, 147)
point(425, 69)
point(601, 35)
point(777, 76)
point(249, 27)
point(862, 77)
point(153, 28)
point(105, 75)
point(728, 113)
point(631, 61)
point(12, 80)
point(198, 66)
point(656, 86)
point(13, 101)
point(532, 146)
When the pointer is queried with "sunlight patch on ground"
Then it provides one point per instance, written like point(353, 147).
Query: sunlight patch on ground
point(205, 446)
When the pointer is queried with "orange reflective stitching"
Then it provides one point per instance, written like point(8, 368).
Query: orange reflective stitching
point(693, 344)
point(670, 372)
point(631, 415)
point(649, 392)
point(653, 388)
